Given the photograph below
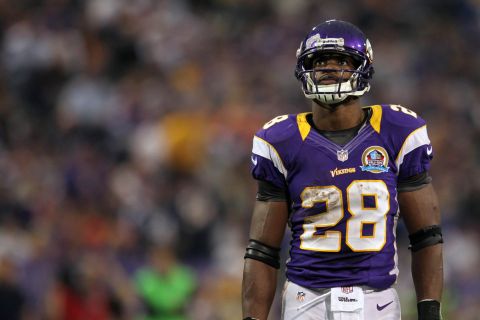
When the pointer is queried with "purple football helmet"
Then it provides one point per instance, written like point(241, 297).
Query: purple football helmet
point(339, 38)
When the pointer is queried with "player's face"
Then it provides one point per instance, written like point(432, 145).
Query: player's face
point(329, 69)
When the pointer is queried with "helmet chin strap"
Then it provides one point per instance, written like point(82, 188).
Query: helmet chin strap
point(335, 105)
point(331, 95)
point(331, 98)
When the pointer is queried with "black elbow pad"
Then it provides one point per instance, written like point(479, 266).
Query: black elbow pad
point(425, 237)
point(263, 253)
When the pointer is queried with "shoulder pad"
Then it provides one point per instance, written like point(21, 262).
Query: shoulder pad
point(398, 118)
point(278, 141)
point(279, 129)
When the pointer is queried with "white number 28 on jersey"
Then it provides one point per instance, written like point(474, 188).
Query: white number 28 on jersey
point(375, 216)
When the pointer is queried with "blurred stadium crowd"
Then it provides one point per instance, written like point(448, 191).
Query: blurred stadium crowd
point(125, 138)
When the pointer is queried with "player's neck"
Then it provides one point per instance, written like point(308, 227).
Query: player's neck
point(344, 116)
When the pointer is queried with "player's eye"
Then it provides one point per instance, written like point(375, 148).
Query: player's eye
point(324, 61)
point(319, 63)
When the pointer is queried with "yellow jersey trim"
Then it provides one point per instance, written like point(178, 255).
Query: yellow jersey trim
point(303, 125)
point(376, 119)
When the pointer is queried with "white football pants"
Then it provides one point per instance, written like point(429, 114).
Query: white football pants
point(306, 304)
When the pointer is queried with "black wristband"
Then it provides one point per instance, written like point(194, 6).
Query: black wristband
point(264, 253)
point(429, 310)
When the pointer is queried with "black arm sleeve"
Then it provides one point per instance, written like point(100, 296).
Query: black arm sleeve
point(269, 192)
point(415, 182)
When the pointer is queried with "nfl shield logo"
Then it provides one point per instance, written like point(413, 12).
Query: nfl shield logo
point(300, 296)
point(342, 155)
point(347, 290)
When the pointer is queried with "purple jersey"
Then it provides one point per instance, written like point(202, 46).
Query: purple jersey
point(344, 198)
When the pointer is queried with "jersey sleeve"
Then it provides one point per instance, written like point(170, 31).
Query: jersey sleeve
point(267, 164)
point(272, 147)
point(415, 150)
point(417, 160)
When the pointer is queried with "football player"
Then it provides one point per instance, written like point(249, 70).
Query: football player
point(340, 176)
